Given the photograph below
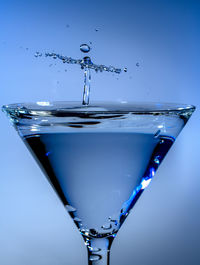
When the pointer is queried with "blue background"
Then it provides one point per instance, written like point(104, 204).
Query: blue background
point(164, 37)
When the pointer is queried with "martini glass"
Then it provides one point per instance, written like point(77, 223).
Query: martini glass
point(98, 158)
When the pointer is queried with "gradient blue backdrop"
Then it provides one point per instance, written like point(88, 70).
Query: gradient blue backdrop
point(164, 37)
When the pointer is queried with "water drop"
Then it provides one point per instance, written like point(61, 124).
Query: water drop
point(70, 208)
point(38, 54)
point(95, 257)
point(96, 30)
point(67, 26)
point(137, 64)
point(85, 48)
point(125, 69)
point(106, 226)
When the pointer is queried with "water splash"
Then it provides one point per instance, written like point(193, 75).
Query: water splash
point(83, 63)
point(87, 81)
point(86, 64)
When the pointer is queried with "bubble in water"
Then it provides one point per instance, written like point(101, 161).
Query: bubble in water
point(157, 159)
point(137, 64)
point(94, 249)
point(85, 48)
point(106, 226)
point(70, 208)
point(94, 257)
point(125, 69)
point(48, 153)
point(38, 54)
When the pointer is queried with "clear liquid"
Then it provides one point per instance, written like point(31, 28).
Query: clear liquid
point(98, 175)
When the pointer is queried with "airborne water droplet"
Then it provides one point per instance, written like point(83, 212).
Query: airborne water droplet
point(38, 54)
point(85, 48)
point(70, 208)
point(137, 64)
point(125, 69)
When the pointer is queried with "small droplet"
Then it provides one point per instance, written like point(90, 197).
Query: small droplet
point(27, 49)
point(85, 48)
point(67, 26)
point(76, 219)
point(48, 153)
point(87, 60)
point(38, 54)
point(95, 257)
point(65, 70)
point(125, 69)
point(106, 226)
point(90, 43)
point(96, 30)
point(157, 134)
point(137, 64)
point(70, 208)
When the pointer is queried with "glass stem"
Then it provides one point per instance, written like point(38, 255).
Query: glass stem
point(99, 250)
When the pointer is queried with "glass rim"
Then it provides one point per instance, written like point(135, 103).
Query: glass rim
point(98, 107)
